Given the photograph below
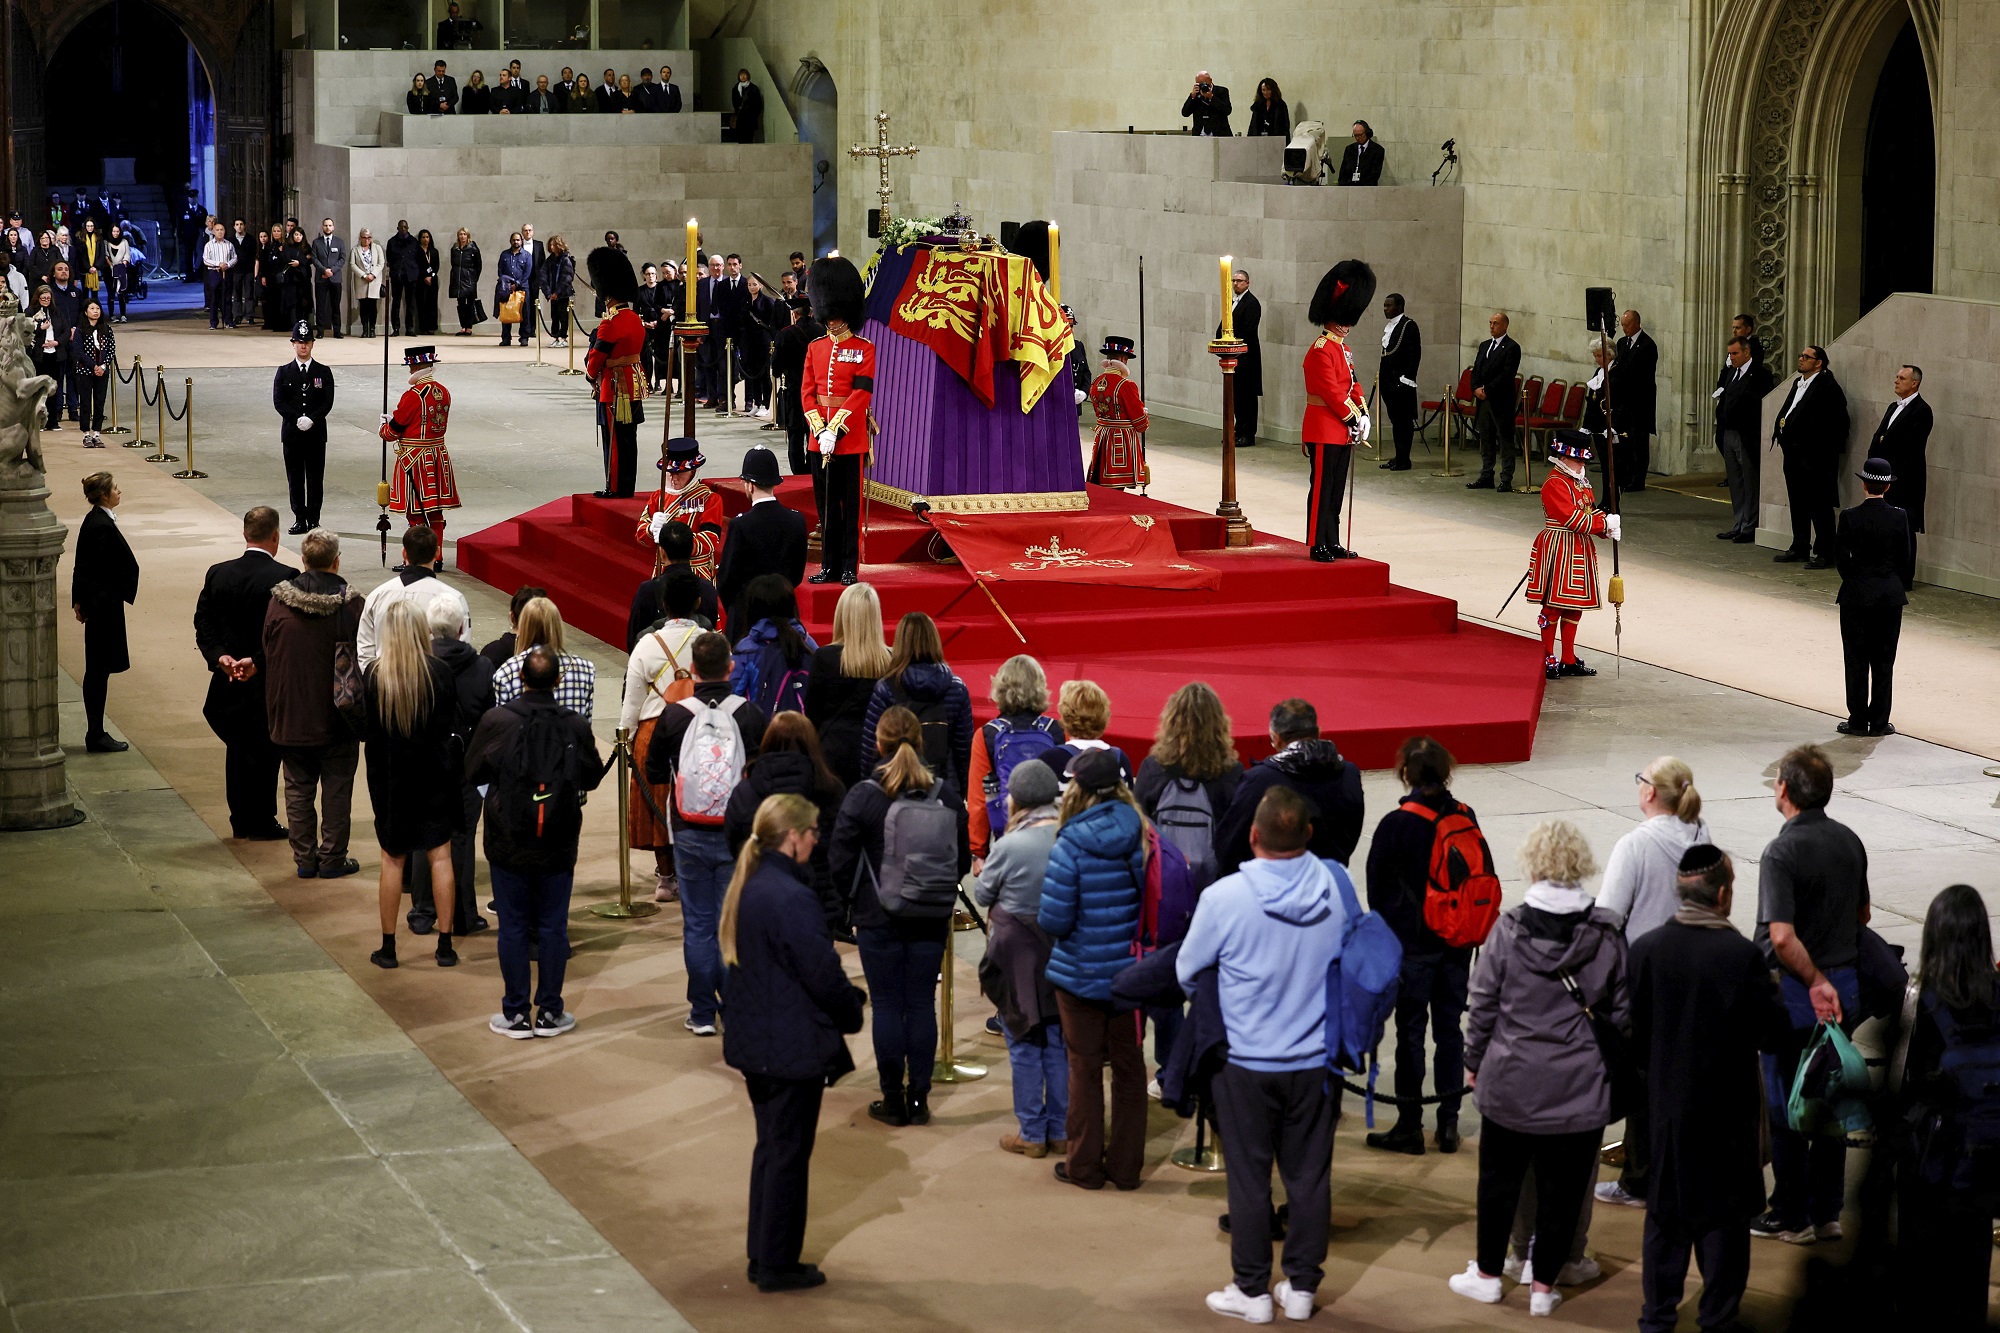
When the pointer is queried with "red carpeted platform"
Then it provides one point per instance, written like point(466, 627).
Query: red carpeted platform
point(1380, 662)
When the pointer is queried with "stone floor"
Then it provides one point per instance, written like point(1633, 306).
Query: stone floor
point(312, 1119)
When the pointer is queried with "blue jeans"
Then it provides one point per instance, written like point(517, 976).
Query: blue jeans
point(537, 903)
point(703, 864)
point(1808, 1176)
point(1041, 1083)
point(902, 977)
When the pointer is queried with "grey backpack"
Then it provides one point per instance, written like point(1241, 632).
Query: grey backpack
point(919, 875)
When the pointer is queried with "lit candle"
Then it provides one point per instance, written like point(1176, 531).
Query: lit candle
point(1055, 263)
point(1228, 307)
point(693, 238)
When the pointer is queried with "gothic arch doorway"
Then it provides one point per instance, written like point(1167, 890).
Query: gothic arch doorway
point(1898, 178)
point(817, 104)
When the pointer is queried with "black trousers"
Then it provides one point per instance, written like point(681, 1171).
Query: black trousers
point(1944, 1246)
point(1496, 442)
point(215, 296)
point(1635, 457)
point(1637, 1171)
point(250, 775)
point(417, 876)
point(787, 1112)
point(1287, 1118)
point(326, 307)
point(1562, 1165)
point(96, 689)
point(1868, 638)
point(1246, 418)
point(796, 438)
point(1811, 489)
point(1723, 1254)
point(621, 447)
point(365, 306)
point(1432, 993)
point(840, 517)
point(1329, 480)
point(396, 289)
point(305, 474)
point(90, 390)
point(1400, 402)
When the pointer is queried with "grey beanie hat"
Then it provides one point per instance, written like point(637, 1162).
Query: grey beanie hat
point(1033, 783)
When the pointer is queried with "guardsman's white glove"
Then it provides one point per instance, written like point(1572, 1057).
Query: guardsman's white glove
point(1081, 397)
point(827, 439)
point(1361, 429)
point(1612, 526)
point(306, 423)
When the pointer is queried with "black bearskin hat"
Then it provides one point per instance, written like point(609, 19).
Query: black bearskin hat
point(611, 275)
point(1344, 294)
point(837, 293)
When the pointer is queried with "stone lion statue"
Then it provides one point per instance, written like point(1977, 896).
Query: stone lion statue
point(22, 393)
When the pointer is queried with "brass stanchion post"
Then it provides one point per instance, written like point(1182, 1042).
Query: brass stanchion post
point(1205, 1156)
point(187, 419)
point(138, 407)
point(728, 377)
point(1449, 409)
point(949, 1069)
point(1226, 352)
point(624, 909)
point(111, 392)
point(160, 454)
point(571, 341)
point(534, 308)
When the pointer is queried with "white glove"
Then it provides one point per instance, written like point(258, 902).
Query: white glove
point(385, 418)
point(658, 521)
point(1362, 427)
point(1081, 397)
point(1407, 380)
point(306, 423)
point(827, 439)
point(1612, 526)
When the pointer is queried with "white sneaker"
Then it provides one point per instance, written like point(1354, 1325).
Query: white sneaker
point(1516, 1269)
point(699, 1029)
point(1233, 1303)
point(1542, 1304)
point(1613, 1191)
point(516, 1027)
point(1295, 1303)
point(1476, 1285)
point(762, 414)
point(1578, 1272)
point(1153, 1090)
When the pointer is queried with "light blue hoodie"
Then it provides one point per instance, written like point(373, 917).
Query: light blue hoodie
point(1272, 929)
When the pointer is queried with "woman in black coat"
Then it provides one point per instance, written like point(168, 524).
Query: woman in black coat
point(558, 279)
point(476, 99)
point(271, 281)
point(297, 274)
point(789, 1004)
point(843, 679)
point(430, 263)
point(1268, 113)
point(466, 266)
point(49, 349)
point(105, 579)
point(789, 760)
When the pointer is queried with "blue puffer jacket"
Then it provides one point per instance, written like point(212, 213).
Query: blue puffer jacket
point(1090, 899)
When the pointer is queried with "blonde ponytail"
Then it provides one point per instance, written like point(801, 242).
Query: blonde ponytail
point(1673, 783)
point(776, 819)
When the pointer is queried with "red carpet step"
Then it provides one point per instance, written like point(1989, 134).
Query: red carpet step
point(1380, 662)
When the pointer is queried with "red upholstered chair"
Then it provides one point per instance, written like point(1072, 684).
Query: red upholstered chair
point(1430, 409)
point(1525, 395)
point(1546, 416)
point(1572, 413)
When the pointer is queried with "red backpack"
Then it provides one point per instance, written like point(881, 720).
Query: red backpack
point(1462, 894)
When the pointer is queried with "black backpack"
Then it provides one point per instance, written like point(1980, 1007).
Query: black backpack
point(934, 716)
point(537, 799)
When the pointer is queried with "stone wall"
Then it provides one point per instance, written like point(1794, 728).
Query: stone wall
point(1956, 341)
point(1968, 140)
point(1182, 202)
point(402, 130)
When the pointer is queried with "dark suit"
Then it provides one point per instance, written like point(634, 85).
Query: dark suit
point(441, 94)
point(1739, 421)
point(649, 96)
point(1811, 431)
point(105, 579)
point(307, 392)
point(1633, 402)
point(1493, 369)
point(1400, 361)
point(1276, 122)
point(788, 363)
point(746, 101)
point(1211, 114)
point(1249, 367)
point(767, 538)
point(538, 258)
point(1361, 164)
point(1902, 443)
point(405, 273)
point(1877, 556)
point(609, 100)
point(229, 622)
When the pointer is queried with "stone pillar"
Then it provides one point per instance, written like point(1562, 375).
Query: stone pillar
point(34, 792)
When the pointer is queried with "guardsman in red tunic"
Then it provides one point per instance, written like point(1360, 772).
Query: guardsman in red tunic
point(1562, 566)
point(1118, 454)
point(422, 486)
point(682, 499)
point(1336, 405)
point(835, 393)
point(615, 369)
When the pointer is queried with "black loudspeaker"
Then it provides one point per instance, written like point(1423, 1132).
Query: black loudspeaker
point(1600, 311)
point(874, 224)
point(1010, 232)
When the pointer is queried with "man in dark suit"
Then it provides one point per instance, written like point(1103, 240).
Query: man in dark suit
point(648, 96)
point(788, 363)
point(506, 95)
point(538, 254)
point(1901, 439)
point(540, 100)
point(1634, 399)
point(1811, 432)
point(1494, 366)
point(1744, 326)
point(1249, 314)
point(670, 92)
point(1208, 103)
point(454, 33)
point(406, 268)
point(1739, 421)
point(746, 102)
point(767, 538)
point(440, 89)
point(1402, 354)
point(229, 633)
point(1361, 162)
point(609, 100)
point(303, 395)
point(1877, 555)
point(329, 256)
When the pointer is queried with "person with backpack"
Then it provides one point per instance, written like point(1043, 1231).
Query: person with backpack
point(699, 749)
point(413, 766)
point(1092, 903)
point(1274, 929)
point(919, 680)
point(1641, 888)
point(1085, 712)
point(774, 656)
point(536, 759)
point(789, 761)
point(1703, 1006)
point(1429, 861)
point(472, 678)
point(541, 624)
point(658, 674)
point(1014, 973)
point(1189, 778)
point(1312, 767)
point(1548, 1003)
point(843, 679)
point(1022, 729)
point(899, 852)
point(1947, 1081)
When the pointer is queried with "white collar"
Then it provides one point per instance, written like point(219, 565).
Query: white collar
point(303, 365)
point(1805, 380)
point(1902, 403)
point(764, 500)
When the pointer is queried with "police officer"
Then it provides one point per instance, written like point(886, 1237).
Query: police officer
point(303, 395)
point(1877, 558)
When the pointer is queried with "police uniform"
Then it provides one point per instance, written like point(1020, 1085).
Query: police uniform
point(615, 365)
point(693, 504)
point(1876, 553)
point(304, 389)
point(835, 393)
point(421, 485)
point(1336, 416)
point(1118, 453)
point(1562, 564)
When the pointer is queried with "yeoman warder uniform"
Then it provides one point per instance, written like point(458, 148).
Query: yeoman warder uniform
point(1336, 405)
point(693, 503)
point(614, 365)
point(1562, 566)
point(303, 395)
point(835, 393)
point(1118, 454)
point(421, 484)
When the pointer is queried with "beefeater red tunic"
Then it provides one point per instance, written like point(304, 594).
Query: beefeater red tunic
point(417, 430)
point(1562, 566)
point(699, 508)
point(1118, 453)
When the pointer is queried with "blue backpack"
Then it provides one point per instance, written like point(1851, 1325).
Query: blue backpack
point(1360, 989)
point(772, 683)
point(1010, 746)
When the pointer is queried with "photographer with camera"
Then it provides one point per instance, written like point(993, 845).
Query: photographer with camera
point(1208, 103)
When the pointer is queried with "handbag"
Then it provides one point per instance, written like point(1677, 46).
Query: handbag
point(1619, 1071)
point(1830, 1089)
point(510, 309)
point(478, 311)
point(349, 697)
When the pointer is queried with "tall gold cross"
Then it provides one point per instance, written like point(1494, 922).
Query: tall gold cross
point(882, 152)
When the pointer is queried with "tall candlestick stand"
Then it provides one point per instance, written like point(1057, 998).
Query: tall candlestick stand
point(1227, 352)
point(690, 332)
